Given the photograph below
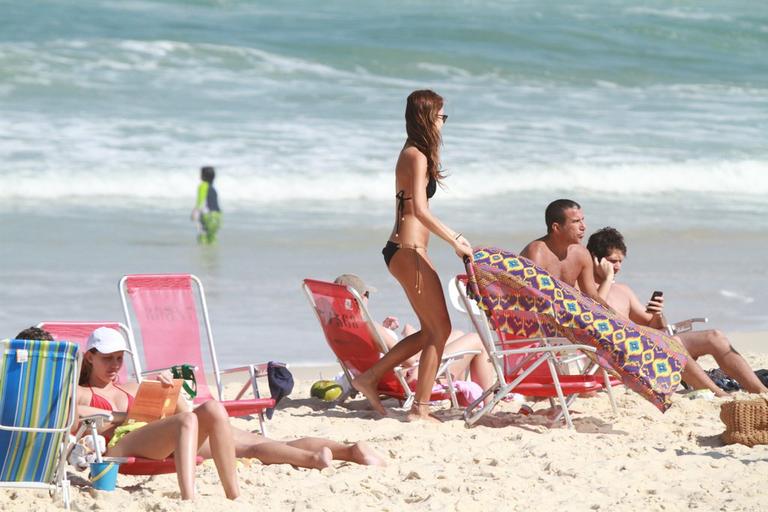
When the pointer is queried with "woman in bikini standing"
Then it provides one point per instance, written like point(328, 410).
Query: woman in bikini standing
point(416, 177)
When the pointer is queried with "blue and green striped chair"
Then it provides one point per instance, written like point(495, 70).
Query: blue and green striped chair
point(38, 381)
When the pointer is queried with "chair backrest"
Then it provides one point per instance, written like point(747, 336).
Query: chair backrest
point(78, 332)
point(512, 329)
point(165, 311)
point(349, 329)
point(38, 380)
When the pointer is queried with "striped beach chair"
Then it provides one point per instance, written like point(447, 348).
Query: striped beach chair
point(38, 381)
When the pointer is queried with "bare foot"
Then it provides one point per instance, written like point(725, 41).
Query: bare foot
point(322, 459)
point(363, 384)
point(364, 454)
point(421, 413)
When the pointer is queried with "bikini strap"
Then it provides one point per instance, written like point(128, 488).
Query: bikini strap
point(415, 249)
point(401, 199)
point(124, 391)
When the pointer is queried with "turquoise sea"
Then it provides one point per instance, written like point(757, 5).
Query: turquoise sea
point(653, 115)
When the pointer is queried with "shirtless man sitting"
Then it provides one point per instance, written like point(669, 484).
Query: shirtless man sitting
point(560, 252)
point(608, 244)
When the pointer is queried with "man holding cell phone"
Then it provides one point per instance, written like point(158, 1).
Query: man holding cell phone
point(607, 245)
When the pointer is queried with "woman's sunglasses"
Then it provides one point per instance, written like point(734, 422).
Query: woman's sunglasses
point(444, 117)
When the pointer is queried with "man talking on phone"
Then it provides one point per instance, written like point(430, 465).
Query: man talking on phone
point(607, 245)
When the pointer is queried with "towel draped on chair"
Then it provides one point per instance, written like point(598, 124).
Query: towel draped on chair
point(646, 360)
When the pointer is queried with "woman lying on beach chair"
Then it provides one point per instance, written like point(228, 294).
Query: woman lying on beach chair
point(216, 439)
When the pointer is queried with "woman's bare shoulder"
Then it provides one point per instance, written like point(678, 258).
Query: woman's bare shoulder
point(84, 395)
point(411, 156)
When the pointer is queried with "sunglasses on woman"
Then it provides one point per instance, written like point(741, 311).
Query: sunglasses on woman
point(444, 117)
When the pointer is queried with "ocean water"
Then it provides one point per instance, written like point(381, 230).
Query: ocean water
point(653, 115)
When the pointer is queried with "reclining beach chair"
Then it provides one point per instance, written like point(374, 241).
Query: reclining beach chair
point(646, 360)
point(38, 381)
point(528, 359)
point(165, 320)
point(78, 332)
point(353, 338)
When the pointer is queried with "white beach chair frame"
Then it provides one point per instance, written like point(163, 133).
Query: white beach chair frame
point(550, 351)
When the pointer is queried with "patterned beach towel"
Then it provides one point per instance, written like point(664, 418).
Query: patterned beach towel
point(646, 360)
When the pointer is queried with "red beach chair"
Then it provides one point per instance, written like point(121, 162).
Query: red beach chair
point(353, 338)
point(165, 320)
point(529, 364)
point(78, 332)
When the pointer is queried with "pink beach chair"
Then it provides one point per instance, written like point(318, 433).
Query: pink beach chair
point(78, 332)
point(353, 338)
point(165, 320)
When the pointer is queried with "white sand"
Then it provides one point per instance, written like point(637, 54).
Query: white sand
point(639, 459)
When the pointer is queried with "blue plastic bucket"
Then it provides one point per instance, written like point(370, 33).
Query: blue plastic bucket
point(104, 475)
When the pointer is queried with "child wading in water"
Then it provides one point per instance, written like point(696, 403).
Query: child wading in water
point(206, 208)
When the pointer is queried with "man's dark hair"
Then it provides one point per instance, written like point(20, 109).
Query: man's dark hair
point(555, 212)
point(34, 333)
point(207, 173)
point(604, 241)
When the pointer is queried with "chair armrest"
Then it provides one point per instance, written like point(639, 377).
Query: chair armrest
point(686, 325)
point(160, 370)
point(97, 419)
point(455, 356)
point(260, 369)
point(557, 348)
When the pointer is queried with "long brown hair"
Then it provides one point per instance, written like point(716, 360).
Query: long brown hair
point(420, 114)
point(85, 370)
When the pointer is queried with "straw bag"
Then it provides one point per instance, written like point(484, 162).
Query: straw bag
point(746, 422)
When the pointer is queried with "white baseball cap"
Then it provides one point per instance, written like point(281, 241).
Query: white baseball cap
point(106, 341)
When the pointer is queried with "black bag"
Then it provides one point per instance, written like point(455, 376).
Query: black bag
point(280, 383)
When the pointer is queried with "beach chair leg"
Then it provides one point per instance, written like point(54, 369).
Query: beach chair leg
point(609, 389)
point(498, 392)
point(560, 396)
point(65, 494)
point(262, 424)
point(451, 390)
point(352, 393)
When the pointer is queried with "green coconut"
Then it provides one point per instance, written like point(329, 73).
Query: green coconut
point(327, 390)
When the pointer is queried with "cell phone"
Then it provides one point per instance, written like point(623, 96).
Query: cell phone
point(655, 295)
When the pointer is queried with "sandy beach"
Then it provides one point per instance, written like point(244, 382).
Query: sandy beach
point(638, 459)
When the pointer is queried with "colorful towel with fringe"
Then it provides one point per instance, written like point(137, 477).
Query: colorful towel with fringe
point(646, 360)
